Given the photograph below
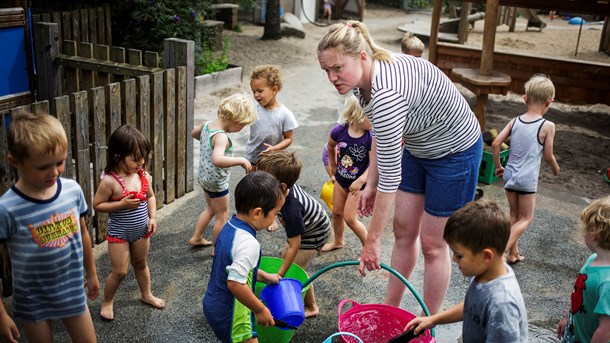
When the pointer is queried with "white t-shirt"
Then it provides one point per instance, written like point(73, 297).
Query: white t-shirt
point(268, 128)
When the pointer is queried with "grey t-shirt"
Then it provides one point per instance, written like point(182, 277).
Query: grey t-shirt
point(495, 311)
point(269, 128)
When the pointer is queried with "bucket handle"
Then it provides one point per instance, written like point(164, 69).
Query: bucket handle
point(384, 266)
point(343, 302)
point(330, 338)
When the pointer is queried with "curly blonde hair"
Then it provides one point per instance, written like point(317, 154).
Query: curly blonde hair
point(269, 73)
point(595, 220)
point(237, 108)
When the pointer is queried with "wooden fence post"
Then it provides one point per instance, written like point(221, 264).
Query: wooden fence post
point(169, 129)
point(180, 52)
point(156, 135)
point(46, 36)
point(80, 117)
point(100, 149)
point(60, 107)
point(182, 136)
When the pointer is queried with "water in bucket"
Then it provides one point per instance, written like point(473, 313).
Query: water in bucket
point(285, 302)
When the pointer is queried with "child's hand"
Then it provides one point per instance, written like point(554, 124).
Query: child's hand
point(92, 285)
point(499, 172)
point(556, 171)
point(562, 327)
point(128, 202)
point(152, 226)
point(269, 148)
point(246, 165)
point(273, 279)
point(264, 317)
point(355, 187)
point(420, 324)
point(8, 329)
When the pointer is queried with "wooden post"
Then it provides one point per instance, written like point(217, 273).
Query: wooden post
point(489, 36)
point(156, 133)
point(129, 102)
point(100, 150)
point(80, 117)
point(179, 52)
point(60, 107)
point(434, 27)
point(113, 100)
point(181, 135)
point(464, 24)
point(46, 48)
point(143, 104)
point(169, 135)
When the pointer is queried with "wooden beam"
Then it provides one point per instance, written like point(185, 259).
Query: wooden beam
point(104, 66)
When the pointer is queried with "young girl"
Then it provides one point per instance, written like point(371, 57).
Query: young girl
point(216, 157)
point(352, 141)
point(126, 193)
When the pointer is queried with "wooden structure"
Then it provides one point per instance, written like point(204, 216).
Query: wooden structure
point(349, 9)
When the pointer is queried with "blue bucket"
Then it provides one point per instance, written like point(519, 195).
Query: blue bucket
point(285, 302)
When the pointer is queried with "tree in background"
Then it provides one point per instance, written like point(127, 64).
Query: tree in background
point(272, 21)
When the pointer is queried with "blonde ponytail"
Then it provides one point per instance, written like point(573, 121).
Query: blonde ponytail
point(350, 38)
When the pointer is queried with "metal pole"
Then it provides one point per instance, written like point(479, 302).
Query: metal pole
point(578, 40)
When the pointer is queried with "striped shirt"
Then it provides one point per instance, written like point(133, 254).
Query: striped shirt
point(46, 251)
point(303, 215)
point(413, 99)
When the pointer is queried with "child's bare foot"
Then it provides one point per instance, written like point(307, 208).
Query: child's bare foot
point(107, 311)
point(331, 246)
point(513, 259)
point(273, 227)
point(199, 242)
point(153, 301)
point(312, 311)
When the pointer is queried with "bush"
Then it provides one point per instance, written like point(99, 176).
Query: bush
point(210, 61)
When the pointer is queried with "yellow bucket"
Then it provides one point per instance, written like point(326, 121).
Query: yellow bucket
point(327, 193)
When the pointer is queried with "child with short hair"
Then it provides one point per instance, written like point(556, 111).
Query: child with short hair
point(307, 224)
point(493, 309)
point(531, 137)
point(229, 303)
point(126, 194)
point(411, 45)
point(42, 221)
point(216, 157)
point(275, 123)
point(588, 319)
point(349, 148)
point(328, 9)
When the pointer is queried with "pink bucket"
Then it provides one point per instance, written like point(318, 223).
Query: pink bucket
point(376, 323)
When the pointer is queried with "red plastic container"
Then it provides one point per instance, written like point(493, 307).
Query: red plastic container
point(376, 323)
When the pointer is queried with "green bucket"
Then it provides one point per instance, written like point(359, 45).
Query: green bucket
point(272, 265)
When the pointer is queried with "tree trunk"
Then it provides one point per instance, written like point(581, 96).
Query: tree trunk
point(272, 21)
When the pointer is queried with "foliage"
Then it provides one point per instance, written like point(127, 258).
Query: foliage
point(211, 61)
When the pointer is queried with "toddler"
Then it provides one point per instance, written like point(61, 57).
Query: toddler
point(411, 45)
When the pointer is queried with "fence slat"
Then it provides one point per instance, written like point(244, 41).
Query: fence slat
point(80, 119)
point(113, 100)
point(92, 27)
point(156, 132)
point(66, 27)
point(47, 49)
point(87, 78)
point(181, 134)
point(129, 101)
point(76, 26)
point(100, 150)
point(151, 59)
point(60, 108)
point(56, 18)
point(40, 107)
point(143, 115)
point(70, 74)
point(84, 25)
point(102, 52)
point(134, 57)
point(6, 179)
point(169, 135)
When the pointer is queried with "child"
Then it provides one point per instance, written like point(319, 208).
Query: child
point(531, 137)
point(275, 123)
point(588, 319)
point(493, 309)
point(326, 163)
point(229, 302)
point(349, 147)
point(216, 157)
point(126, 193)
point(42, 221)
point(307, 224)
point(411, 45)
point(328, 9)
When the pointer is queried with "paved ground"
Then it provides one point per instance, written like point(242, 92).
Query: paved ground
point(552, 244)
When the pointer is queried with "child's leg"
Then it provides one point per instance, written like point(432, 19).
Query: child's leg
point(220, 206)
point(38, 332)
point(202, 223)
point(350, 215)
point(521, 215)
point(302, 260)
point(339, 197)
point(139, 262)
point(80, 327)
point(119, 258)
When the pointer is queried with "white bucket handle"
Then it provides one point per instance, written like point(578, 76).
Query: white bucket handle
point(330, 338)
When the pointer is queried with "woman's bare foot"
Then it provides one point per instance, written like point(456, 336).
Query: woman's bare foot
point(331, 246)
point(312, 311)
point(199, 242)
point(107, 311)
point(153, 301)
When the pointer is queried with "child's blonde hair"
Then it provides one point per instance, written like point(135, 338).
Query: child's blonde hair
point(35, 134)
point(237, 108)
point(350, 38)
point(270, 73)
point(539, 89)
point(352, 112)
point(595, 220)
point(411, 45)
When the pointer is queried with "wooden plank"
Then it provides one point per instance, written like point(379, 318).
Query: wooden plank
point(40, 107)
point(156, 132)
point(76, 34)
point(84, 26)
point(80, 117)
point(181, 132)
point(92, 27)
point(169, 135)
point(66, 27)
point(99, 139)
point(102, 52)
point(113, 98)
point(6, 176)
point(56, 18)
point(129, 97)
point(134, 57)
point(85, 50)
point(13, 100)
point(151, 59)
point(118, 56)
point(107, 24)
point(143, 105)
point(71, 75)
point(47, 49)
point(104, 66)
point(60, 108)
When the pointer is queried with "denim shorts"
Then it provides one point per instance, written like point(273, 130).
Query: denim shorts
point(448, 183)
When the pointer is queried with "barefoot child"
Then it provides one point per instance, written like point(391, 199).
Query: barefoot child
point(307, 224)
point(349, 148)
point(531, 137)
point(42, 221)
point(588, 319)
point(229, 303)
point(126, 194)
point(216, 159)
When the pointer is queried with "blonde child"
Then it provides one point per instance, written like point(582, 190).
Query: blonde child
point(531, 137)
point(275, 123)
point(328, 9)
point(349, 148)
point(216, 157)
point(42, 221)
point(126, 193)
point(588, 319)
point(411, 45)
point(229, 303)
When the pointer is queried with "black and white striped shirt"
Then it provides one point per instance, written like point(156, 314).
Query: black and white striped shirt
point(412, 98)
point(303, 215)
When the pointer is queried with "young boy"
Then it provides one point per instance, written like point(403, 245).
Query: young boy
point(411, 45)
point(531, 137)
point(307, 224)
point(42, 221)
point(493, 309)
point(588, 319)
point(229, 302)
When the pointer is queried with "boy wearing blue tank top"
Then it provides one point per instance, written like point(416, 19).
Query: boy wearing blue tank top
point(531, 137)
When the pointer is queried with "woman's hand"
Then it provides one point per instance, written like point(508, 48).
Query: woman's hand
point(369, 258)
point(366, 203)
